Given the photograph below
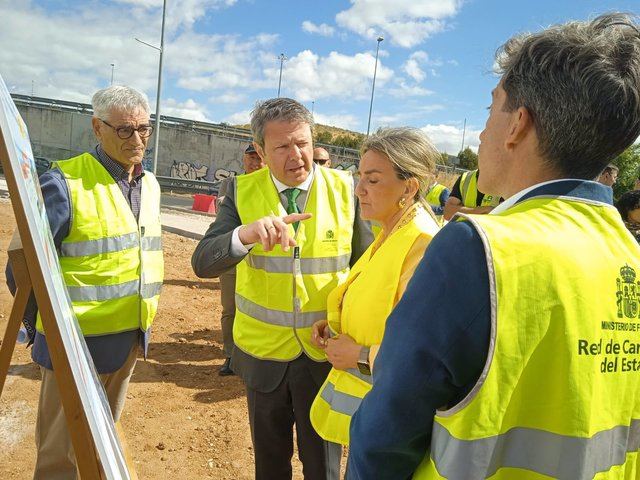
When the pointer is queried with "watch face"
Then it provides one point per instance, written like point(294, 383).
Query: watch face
point(364, 368)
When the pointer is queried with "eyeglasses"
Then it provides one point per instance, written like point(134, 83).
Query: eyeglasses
point(321, 161)
point(125, 133)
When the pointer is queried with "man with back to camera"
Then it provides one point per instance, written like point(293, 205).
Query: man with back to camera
point(521, 368)
point(292, 230)
point(104, 214)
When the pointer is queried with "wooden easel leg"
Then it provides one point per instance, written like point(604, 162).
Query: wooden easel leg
point(11, 333)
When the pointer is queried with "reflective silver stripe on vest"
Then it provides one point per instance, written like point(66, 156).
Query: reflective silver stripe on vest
point(277, 317)
point(151, 243)
point(308, 266)
point(100, 245)
point(98, 293)
point(465, 186)
point(111, 292)
point(558, 456)
point(356, 373)
point(340, 402)
point(151, 290)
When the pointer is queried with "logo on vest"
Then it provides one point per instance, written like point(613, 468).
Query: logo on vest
point(627, 293)
point(329, 236)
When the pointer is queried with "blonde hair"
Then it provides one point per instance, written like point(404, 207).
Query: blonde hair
point(411, 153)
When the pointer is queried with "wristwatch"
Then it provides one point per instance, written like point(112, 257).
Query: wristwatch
point(363, 361)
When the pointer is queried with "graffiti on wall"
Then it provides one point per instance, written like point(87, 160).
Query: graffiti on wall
point(188, 171)
point(192, 171)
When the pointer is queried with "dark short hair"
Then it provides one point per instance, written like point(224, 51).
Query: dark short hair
point(278, 110)
point(581, 84)
point(628, 202)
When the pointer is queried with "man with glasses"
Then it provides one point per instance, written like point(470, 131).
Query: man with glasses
point(321, 157)
point(104, 213)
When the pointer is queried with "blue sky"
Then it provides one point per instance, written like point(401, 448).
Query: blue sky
point(221, 55)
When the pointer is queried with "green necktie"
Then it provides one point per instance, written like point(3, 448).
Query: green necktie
point(292, 206)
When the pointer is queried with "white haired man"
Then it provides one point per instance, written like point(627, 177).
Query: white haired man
point(104, 213)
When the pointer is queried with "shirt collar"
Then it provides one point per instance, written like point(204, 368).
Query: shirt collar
point(306, 185)
point(564, 187)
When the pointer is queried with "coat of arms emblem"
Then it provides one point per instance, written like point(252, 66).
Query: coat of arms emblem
point(627, 293)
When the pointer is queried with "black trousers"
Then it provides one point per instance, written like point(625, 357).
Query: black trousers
point(272, 417)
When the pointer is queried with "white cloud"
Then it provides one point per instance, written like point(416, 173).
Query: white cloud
point(346, 121)
point(229, 97)
point(239, 118)
point(322, 29)
point(311, 77)
point(448, 138)
point(189, 109)
point(403, 90)
point(405, 22)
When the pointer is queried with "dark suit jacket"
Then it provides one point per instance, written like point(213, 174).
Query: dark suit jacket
point(212, 257)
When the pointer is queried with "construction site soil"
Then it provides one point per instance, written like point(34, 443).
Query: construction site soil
point(181, 419)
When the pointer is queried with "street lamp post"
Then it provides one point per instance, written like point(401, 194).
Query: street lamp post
point(282, 58)
point(113, 66)
point(156, 142)
point(464, 130)
point(373, 87)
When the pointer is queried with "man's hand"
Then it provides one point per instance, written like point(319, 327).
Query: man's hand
point(270, 231)
point(343, 352)
point(320, 333)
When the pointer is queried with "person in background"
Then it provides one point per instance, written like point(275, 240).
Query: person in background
point(509, 354)
point(609, 175)
point(104, 214)
point(292, 230)
point(321, 157)
point(251, 162)
point(395, 167)
point(437, 196)
point(629, 207)
point(466, 198)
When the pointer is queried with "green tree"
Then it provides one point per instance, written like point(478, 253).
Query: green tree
point(443, 159)
point(468, 159)
point(629, 164)
point(323, 137)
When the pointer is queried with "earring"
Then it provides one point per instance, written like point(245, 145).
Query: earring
point(402, 203)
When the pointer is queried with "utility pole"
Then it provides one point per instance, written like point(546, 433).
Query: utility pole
point(113, 66)
point(156, 142)
point(282, 58)
point(464, 129)
point(373, 87)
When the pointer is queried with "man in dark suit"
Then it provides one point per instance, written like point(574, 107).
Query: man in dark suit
point(287, 263)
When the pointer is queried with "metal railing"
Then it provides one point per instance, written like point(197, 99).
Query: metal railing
point(188, 186)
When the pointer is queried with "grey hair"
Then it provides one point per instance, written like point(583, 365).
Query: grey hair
point(277, 110)
point(118, 97)
point(580, 82)
point(409, 150)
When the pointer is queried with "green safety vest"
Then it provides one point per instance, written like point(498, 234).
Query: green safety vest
point(280, 295)
point(360, 307)
point(559, 396)
point(469, 191)
point(111, 264)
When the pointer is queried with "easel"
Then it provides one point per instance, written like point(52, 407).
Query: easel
point(81, 438)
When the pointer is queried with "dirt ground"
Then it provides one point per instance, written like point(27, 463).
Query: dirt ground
point(181, 420)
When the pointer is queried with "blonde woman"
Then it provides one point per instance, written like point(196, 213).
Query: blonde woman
point(395, 167)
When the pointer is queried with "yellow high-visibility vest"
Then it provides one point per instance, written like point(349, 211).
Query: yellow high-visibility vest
point(360, 308)
point(469, 192)
point(560, 393)
point(280, 295)
point(111, 264)
point(433, 197)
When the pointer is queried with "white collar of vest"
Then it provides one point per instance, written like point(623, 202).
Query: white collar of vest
point(306, 185)
point(511, 201)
